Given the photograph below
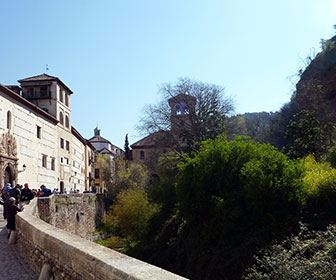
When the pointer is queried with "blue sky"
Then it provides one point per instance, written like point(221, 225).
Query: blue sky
point(115, 55)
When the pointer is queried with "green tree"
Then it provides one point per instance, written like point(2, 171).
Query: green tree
point(127, 149)
point(106, 167)
point(130, 176)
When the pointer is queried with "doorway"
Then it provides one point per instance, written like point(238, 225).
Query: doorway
point(61, 187)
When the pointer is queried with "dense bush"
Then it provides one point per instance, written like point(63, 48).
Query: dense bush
point(309, 255)
point(320, 186)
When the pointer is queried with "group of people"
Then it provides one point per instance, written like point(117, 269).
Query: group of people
point(13, 198)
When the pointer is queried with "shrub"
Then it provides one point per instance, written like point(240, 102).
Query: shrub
point(320, 185)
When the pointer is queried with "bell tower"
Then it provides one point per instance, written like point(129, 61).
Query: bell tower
point(182, 113)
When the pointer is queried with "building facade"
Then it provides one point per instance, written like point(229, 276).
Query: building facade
point(38, 143)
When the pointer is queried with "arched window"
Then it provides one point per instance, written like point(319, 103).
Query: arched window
point(61, 118)
point(61, 95)
point(67, 121)
point(142, 155)
point(9, 120)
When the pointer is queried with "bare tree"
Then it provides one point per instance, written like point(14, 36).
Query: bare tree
point(192, 111)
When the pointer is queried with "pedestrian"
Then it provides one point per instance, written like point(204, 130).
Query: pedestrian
point(6, 190)
point(26, 194)
point(11, 210)
point(45, 192)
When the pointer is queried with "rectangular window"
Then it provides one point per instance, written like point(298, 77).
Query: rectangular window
point(66, 160)
point(61, 160)
point(44, 161)
point(52, 163)
point(142, 155)
point(67, 146)
point(97, 173)
point(62, 143)
point(38, 132)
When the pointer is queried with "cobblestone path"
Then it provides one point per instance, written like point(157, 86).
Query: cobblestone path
point(12, 265)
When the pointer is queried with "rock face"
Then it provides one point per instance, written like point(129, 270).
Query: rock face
point(316, 90)
point(79, 214)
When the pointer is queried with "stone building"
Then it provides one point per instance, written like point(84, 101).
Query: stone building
point(104, 147)
point(38, 143)
point(149, 149)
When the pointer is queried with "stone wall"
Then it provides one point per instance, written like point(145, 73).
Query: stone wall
point(79, 214)
point(73, 257)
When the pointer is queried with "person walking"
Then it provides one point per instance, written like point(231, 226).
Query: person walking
point(11, 210)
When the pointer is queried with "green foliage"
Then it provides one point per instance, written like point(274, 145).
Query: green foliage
point(330, 156)
point(320, 185)
point(306, 135)
point(230, 199)
point(129, 216)
point(309, 255)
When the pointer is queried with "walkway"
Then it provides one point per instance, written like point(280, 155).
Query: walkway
point(12, 265)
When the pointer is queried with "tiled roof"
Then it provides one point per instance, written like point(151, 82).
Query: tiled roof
point(44, 77)
point(157, 139)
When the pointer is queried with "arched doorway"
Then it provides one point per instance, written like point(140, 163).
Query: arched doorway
point(8, 177)
point(61, 187)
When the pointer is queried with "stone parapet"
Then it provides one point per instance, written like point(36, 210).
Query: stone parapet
point(73, 257)
point(79, 214)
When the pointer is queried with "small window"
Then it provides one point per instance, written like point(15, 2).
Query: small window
point(74, 164)
point(62, 143)
point(61, 118)
point(142, 155)
point(61, 95)
point(67, 124)
point(38, 132)
point(9, 120)
point(67, 146)
point(52, 163)
point(44, 161)
point(66, 160)
point(61, 160)
point(97, 173)
point(66, 97)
